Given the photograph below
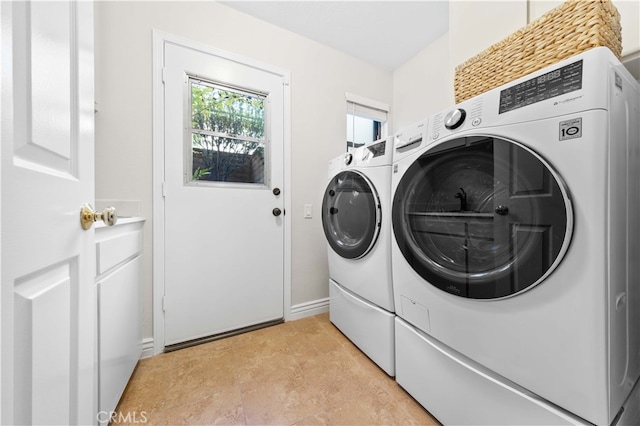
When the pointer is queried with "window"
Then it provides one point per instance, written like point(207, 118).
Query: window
point(366, 121)
point(227, 135)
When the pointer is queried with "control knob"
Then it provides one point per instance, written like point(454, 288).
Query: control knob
point(455, 118)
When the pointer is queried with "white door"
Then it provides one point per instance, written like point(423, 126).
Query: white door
point(48, 266)
point(224, 208)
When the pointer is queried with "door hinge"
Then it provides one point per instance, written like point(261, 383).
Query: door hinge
point(164, 189)
point(164, 303)
point(285, 81)
point(163, 74)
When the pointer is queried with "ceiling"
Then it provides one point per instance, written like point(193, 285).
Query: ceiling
point(384, 33)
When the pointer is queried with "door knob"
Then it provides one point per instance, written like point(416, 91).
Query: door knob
point(276, 212)
point(88, 216)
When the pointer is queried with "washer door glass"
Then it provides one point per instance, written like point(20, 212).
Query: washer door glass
point(482, 217)
point(351, 214)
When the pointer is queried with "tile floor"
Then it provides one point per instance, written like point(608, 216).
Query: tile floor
point(301, 372)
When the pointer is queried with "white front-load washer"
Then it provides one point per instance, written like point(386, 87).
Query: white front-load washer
point(516, 250)
point(356, 218)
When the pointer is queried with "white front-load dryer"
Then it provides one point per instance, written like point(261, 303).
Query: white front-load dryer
point(516, 251)
point(356, 219)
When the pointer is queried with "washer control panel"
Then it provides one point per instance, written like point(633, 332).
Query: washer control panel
point(455, 118)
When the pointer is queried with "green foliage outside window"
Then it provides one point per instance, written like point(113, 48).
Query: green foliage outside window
point(227, 134)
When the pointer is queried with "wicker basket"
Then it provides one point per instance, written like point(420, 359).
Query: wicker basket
point(569, 29)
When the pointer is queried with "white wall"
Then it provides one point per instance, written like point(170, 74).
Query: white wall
point(423, 85)
point(320, 76)
point(475, 25)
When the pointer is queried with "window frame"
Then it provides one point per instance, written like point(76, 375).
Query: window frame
point(360, 106)
point(189, 131)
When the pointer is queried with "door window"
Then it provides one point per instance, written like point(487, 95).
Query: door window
point(226, 142)
point(351, 214)
point(482, 217)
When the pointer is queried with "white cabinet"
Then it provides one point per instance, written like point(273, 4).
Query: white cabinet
point(118, 282)
point(630, 21)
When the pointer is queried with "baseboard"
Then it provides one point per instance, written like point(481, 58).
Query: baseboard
point(147, 348)
point(299, 311)
point(309, 309)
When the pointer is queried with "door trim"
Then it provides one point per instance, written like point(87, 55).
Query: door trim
point(160, 39)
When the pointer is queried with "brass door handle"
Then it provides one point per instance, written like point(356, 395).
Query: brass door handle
point(88, 216)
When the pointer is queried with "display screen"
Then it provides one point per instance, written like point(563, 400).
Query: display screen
point(555, 83)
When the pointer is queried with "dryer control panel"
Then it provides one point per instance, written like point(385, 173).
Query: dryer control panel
point(546, 86)
point(454, 118)
point(580, 83)
point(470, 112)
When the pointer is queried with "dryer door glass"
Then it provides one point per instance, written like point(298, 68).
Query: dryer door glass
point(482, 217)
point(351, 214)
